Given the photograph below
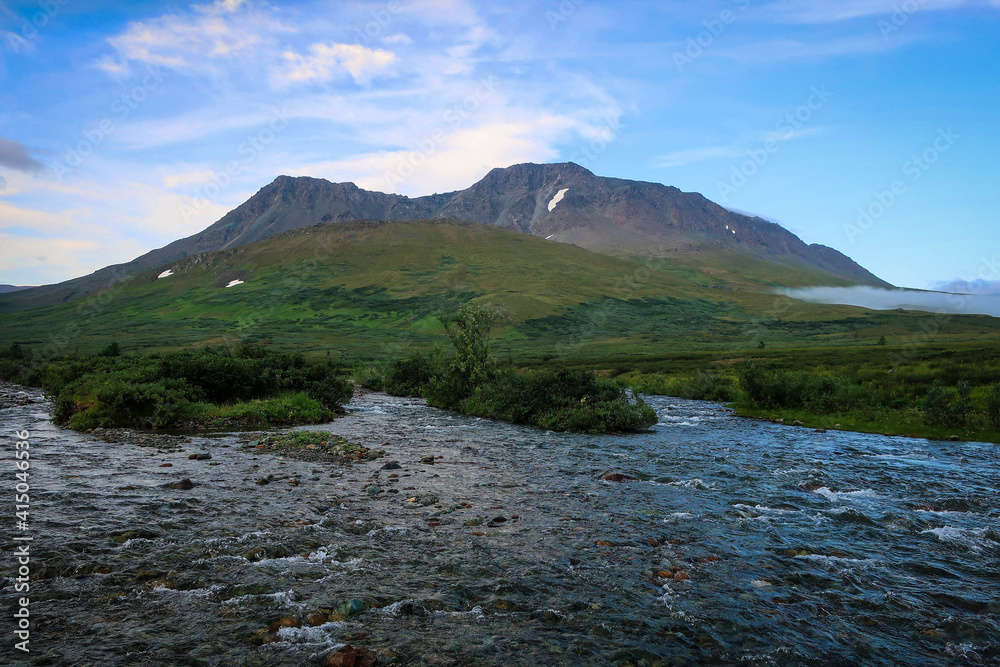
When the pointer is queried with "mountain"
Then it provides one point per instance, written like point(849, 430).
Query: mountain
point(376, 289)
point(559, 202)
point(12, 288)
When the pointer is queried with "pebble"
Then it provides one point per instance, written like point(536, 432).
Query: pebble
point(200, 456)
point(427, 459)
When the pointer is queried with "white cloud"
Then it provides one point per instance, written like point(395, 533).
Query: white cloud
point(400, 38)
point(456, 162)
point(693, 155)
point(781, 50)
point(791, 134)
point(327, 61)
point(833, 11)
point(977, 286)
point(876, 298)
point(193, 41)
point(680, 158)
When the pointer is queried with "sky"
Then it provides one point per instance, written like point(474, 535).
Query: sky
point(866, 125)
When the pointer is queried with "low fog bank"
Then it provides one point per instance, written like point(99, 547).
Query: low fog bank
point(884, 299)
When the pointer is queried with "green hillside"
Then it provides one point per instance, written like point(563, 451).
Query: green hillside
point(369, 290)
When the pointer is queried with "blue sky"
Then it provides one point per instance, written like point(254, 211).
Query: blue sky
point(869, 126)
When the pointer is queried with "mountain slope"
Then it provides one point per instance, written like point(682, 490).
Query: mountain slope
point(564, 202)
point(375, 289)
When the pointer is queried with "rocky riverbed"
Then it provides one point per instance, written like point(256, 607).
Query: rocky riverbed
point(710, 540)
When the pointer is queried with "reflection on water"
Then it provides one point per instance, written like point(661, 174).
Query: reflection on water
point(741, 542)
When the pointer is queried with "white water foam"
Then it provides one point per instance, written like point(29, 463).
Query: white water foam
point(283, 598)
point(320, 634)
point(388, 530)
point(476, 611)
point(832, 495)
point(972, 538)
point(193, 593)
point(837, 562)
point(696, 483)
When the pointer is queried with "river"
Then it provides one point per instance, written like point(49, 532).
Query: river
point(739, 542)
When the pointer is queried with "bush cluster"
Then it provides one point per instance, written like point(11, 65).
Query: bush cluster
point(565, 400)
point(473, 383)
point(252, 384)
point(765, 387)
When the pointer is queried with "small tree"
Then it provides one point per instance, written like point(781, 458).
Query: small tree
point(937, 406)
point(761, 345)
point(881, 341)
point(17, 352)
point(111, 350)
point(469, 330)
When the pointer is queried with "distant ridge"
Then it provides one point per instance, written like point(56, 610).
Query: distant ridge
point(563, 202)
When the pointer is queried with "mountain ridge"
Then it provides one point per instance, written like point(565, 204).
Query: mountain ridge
point(609, 215)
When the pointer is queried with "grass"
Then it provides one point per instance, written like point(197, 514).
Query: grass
point(357, 292)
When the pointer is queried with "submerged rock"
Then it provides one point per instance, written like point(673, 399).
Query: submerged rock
point(351, 656)
point(183, 485)
point(617, 477)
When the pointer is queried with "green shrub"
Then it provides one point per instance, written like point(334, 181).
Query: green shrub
point(162, 390)
point(371, 377)
point(561, 401)
point(411, 376)
point(993, 406)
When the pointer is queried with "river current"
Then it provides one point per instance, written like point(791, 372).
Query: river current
point(739, 542)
